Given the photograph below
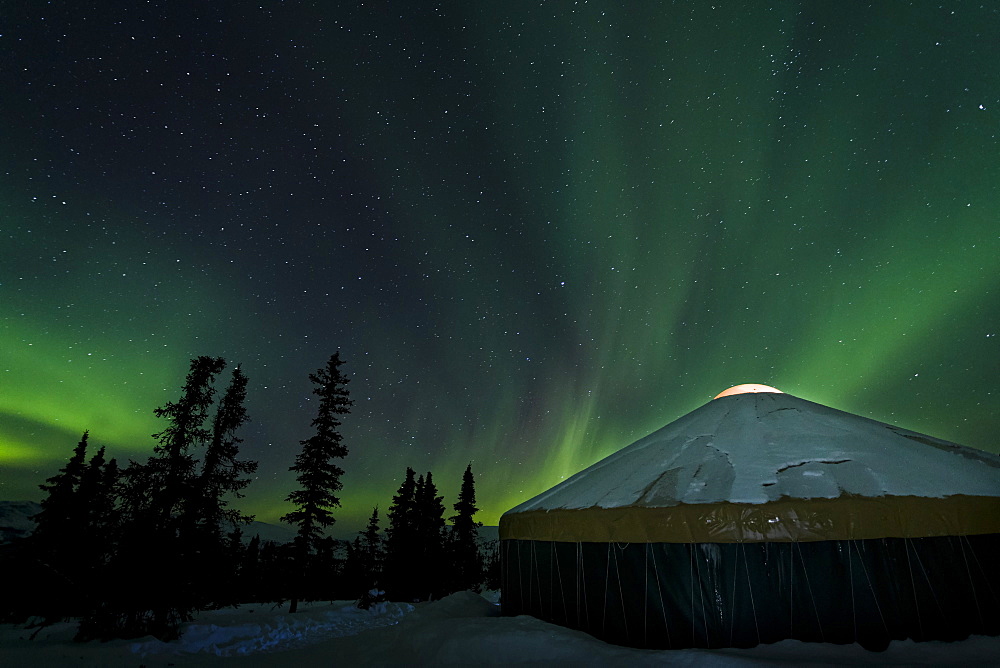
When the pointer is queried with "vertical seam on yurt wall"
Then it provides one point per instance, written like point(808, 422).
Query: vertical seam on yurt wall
point(791, 591)
point(621, 593)
point(871, 587)
point(520, 577)
point(913, 587)
point(812, 597)
point(972, 585)
point(690, 551)
point(538, 578)
point(552, 605)
point(850, 576)
point(562, 587)
point(607, 573)
point(753, 606)
point(581, 597)
point(663, 605)
point(582, 589)
point(927, 578)
point(732, 610)
point(701, 598)
point(645, 594)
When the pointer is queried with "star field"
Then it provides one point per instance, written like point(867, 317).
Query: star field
point(536, 231)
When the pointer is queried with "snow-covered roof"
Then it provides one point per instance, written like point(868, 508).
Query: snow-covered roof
point(761, 446)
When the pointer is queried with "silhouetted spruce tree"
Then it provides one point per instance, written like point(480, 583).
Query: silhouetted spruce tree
point(249, 581)
point(400, 545)
point(98, 543)
point(317, 473)
point(90, 488)
point(170, 472)
point(223, 577)
point(67, 552)
point(60, 514)
point(373, 550)
point(354, 570)
point(97, 494)
point(157, 536)
point(52, 545)
point(430, 554)
point(172, 517)
point(274, 571)
point(325, 572)
point(222, 475)
point(263, 571)
point(365, 557)
point(156, 492)
point(463, 546)
point(104, 511)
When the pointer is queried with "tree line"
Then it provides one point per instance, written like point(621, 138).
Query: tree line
point(137, 550)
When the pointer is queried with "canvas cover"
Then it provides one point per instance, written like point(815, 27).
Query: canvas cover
point(761, 517)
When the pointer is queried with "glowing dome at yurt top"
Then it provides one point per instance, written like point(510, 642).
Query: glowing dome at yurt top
point(747, 388)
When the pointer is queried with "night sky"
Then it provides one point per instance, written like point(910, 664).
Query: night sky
point(535, 231)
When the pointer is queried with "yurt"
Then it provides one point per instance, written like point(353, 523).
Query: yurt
point(761, 517)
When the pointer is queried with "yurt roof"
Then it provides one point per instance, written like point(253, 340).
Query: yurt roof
point(760, 447)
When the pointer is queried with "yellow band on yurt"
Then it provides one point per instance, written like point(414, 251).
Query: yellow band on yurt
point(785, 520)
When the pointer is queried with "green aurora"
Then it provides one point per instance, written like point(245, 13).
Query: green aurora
point(535, 233)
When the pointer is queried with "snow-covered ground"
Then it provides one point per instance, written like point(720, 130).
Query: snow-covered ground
point(460, 630)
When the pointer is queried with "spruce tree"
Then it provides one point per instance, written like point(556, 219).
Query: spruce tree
point(98, 537)
point(430, 539)
point(74, 535)
point(466, 561)
point(354, 571)
point(317, 473)
point(365, 555)
point(373, 549)
point(96, 495)
point(95, 499)
point(222, 473)
point(365, 559)
point(168, 477)
point(169, 515)
point(105, 522)
point(59, 513)
point(172, 474)
point(105, 512)
point(90, 481)
point(58, 531)
point(157, 499)
point(400, 540)
point(248, 583)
